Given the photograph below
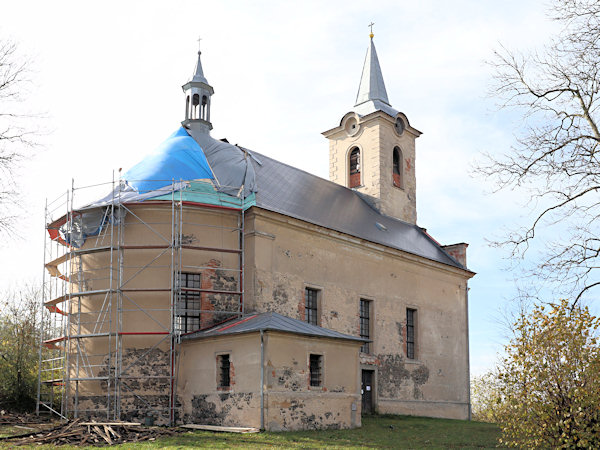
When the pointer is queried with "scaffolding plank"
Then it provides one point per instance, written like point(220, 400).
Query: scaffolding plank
point(52, 267)
point(211, 291)
point(64, 298)
point(55, 381)
point(212, 249)
point(85, 251)
point(87, 378)
point(55, 309)
point(194, 426)
point(92, 292)
point(90, 335)
point(187, 247)
point(56, 301)
point(146, 290)
point(54, 340)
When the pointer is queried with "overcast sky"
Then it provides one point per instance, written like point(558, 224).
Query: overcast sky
point(108, 77)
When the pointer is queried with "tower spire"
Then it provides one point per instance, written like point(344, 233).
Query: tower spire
point(198, 72)
point(372, 95)
point(371, 86)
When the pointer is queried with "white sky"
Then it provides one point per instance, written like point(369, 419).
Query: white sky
point(108, 76)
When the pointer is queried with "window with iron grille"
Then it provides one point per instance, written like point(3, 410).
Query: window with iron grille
point(410, 332)
point(188, 302)
point(311, 305)
point(316, 368)
point(365, 323)
point(224, 371)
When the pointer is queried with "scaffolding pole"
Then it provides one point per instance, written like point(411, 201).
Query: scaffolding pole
point(94, 350)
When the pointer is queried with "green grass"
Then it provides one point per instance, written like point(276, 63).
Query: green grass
point(376, 432)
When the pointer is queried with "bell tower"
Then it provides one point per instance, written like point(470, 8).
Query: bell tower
point(197, 101)
point(373, 149)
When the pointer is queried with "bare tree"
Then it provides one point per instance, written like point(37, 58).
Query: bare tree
point(17, 129)
point(20, 322)
point(555, 158)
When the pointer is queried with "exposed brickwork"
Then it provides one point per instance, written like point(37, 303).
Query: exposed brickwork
point(458, 252)
point(145, 388)
point(214, 278)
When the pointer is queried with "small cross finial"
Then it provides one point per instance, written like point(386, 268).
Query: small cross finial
point(199, 39)
point(371, 26)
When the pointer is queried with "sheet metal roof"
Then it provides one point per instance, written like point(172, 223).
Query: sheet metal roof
point(270, 321)
point(295, 193)
point(372, 95)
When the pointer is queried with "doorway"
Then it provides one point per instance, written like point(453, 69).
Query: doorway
point(366, 389)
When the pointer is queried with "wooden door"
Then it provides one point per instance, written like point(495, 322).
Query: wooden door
point(367, 391)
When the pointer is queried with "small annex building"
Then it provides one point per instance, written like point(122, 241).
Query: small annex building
point(216, 285)
point(282, 361)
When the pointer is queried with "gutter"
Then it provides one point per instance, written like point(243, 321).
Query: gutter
point(262, 379)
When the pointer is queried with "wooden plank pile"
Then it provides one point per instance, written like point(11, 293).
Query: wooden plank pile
point(222, 429)
point(8, 418)
point(77, 432)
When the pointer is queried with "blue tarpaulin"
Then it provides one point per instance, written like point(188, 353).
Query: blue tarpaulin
point(179, 157)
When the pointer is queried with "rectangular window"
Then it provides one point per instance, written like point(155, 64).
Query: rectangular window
point(365, 323)
point(411, 315)
point(311, 305)
point(316, 370)
point(224, 371)
point(188, 303)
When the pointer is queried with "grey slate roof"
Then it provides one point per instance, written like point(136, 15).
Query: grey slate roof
point(295, 193)
point(270, 321)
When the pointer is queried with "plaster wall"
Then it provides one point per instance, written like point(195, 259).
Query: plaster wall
point(202, 401)
point(291, 403)
point(284, 256)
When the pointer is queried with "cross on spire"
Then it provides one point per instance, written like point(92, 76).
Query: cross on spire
point(199, 39)
point(371, 26)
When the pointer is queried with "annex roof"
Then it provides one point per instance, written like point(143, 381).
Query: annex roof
point(270, 321)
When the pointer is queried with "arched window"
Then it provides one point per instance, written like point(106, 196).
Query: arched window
point(187, 107)
point(354, 167)
point(204, 102)
point(397, 168)
point(195, 103)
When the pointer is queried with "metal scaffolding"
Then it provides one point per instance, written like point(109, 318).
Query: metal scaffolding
point(115, 307)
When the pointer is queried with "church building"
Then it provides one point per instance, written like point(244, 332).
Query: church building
point(216, 285)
